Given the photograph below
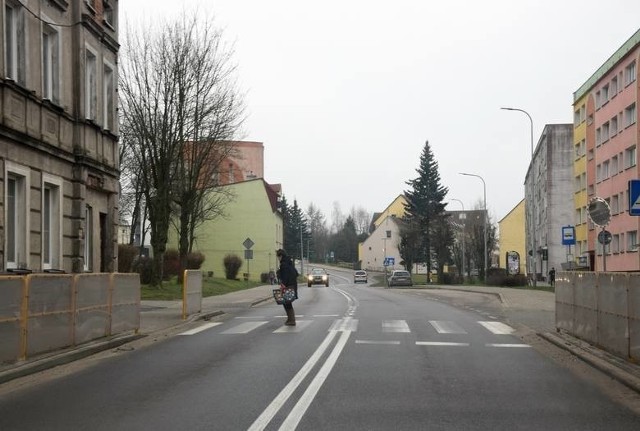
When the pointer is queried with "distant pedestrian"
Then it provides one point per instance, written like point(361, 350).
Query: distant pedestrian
point(552, 276)
point(288, 276)
point(272, 277)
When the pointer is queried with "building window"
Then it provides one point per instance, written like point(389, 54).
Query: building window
point(590, 155)
point(16, 215)
point(632, 240)
point(630, 115)
point(615, 204)
point(605, 169)
point(109, 14)
point(583, 181)
point(88, 238)
point(50, 63)
point(630, 157)
point(614, 165)
point(576, 118)
point(598, 173)
point(614, 86)
point(108, 84)
point(598, 100)
point(51, 222)
point(614, 126)
point(615, 244)
point(14, 42)
point(90, 85)
point(578, 217)
point(605, 94)
point(630, 73)
point(605, 132)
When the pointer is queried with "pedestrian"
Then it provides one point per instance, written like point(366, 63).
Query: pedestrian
point(272, 277)
point(288, 276)
point(552, 276)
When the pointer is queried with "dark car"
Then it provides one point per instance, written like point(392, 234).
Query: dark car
point(360, 276)
point(318, 276)
point(400, 278)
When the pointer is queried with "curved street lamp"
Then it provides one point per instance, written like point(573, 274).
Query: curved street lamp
point(484, 187)
point(533, 199)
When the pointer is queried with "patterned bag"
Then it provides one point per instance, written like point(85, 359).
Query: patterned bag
point(284, 294)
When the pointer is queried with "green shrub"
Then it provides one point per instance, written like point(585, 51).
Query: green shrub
point(264, 277)
point(171, 263)
point(126, 255)
point(232, 264)
point(195, 260)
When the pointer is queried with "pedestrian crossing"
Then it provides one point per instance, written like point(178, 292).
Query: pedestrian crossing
point(244, 325)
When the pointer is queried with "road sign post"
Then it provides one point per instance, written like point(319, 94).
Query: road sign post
point(248, 255)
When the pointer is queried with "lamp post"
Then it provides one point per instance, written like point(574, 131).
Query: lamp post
point(464, 225)
point(533, 199)
point(484, 187)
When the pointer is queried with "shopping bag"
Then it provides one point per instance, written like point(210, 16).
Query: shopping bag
point(284, 294)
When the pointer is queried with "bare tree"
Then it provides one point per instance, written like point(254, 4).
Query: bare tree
point(319, 233)
point(361, 219)
point(180, 110)
point(337, 218)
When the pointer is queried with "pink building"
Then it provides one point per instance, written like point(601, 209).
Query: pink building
point(611, 96)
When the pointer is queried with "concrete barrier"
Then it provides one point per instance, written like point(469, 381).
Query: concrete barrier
point(12, 297)
point(92, 318)
point(634, 315)
point(125, 303)
point(191, 292)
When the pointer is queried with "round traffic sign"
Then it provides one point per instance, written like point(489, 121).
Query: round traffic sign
point(604, 237)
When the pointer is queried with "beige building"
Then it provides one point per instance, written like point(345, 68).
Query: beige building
point(59, 165)
point(512, 236)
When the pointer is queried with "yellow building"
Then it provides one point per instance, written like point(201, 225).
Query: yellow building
point(580, 179)
point(512, 235)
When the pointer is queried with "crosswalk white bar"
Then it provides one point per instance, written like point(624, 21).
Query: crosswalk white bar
point(344, 325)
point(446, 327)
point(440, 343)
point(395, 326)
point(387, 342)
point(200, 328)
point(244, 328)
point(506, 345)
point(498, 328)
point(300, 325)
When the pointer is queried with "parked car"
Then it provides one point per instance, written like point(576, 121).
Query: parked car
point(318, 276)
point(400, 278)
point(360, 276)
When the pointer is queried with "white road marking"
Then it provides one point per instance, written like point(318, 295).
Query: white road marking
point(252, 317)
point(200, 328)
point(498, 328)
point(325, 315)
point(395, 326)
point(344, 325)
point(300, 325)
point(447, 327)
point(294, 418)
point(244, 328)
point(440, 343)
point(377, 342)
point(506, 345)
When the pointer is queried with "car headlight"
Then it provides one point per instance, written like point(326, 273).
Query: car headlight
point(324, 278)
point(310, 277)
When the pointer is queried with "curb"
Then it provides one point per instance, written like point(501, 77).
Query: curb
point(607, 366)
point(498, 295)
point(56, 359)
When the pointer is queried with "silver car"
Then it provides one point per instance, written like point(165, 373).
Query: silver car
point(360, 276)
point(400, 278)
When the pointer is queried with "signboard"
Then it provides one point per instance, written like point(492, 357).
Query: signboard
point(568, 235)
point(389, 261)
point(248, 243)
point(634, 197)
point(604, 237)
point(513, 262)
point(248, 254)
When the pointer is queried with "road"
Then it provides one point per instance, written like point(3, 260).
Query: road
point(360, 358)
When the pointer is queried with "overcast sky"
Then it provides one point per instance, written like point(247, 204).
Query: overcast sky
point(344, 94)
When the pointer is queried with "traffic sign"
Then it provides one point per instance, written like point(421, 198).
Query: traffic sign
point(634, 197)
point(568, 235)
point(604, 237)
point(248, 243)
point(389, 261)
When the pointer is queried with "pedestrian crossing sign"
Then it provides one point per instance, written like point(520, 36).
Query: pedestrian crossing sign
point(634, 197)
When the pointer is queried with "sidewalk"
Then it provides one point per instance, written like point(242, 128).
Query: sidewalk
point(159, 316)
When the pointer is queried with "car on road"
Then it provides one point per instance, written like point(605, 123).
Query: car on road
point(400, 278)
point(360, 276)
point(318, 276)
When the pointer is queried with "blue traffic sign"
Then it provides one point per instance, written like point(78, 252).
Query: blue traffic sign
point(634, 197)
point(568, 235)
point(389, 261)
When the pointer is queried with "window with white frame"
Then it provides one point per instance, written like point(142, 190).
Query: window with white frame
point(577, 217)
point(582, 113)
point(14, 42)
point(614, 86)
point(598, 136)
point(599, 172)
point(108, 95)
point(576, 184)
point(605, 94)
point(50, 63)
point(605, 132)
point(605, 169)
point(630, 157)
point(583, 181)
point(614, 125)
point(598, 99)
point(576, 117)
point(632, 240)
point(16, 215)
point(109, 14)
point(51, 222)
point(630, 115)
point(615, 204)
point(88, 238)
point(91, 101)
point(630, 73)
point(614, 165)
point(615, 244)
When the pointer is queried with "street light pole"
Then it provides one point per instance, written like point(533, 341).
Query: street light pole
point(534, 252)
point(464, 225)
point(484, 188)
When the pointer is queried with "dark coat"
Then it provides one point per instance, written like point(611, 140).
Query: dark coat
point(288, 273)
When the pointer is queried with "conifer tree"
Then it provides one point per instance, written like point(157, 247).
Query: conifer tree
point(425, 208)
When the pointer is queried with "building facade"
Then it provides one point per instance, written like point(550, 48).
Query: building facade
point(512, 236)
point(548, 186)
point(610, 98)
point(59, 166)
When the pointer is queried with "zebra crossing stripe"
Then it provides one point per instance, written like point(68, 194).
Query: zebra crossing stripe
point(395, 326)
point(506, 345)
point(446, 327)
point(245, 327)
point(440, 343)
point(200, 328)
point(498, 328)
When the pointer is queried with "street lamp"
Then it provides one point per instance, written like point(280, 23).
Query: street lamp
point(533, 199)
point(464, 224)
point(484, 187)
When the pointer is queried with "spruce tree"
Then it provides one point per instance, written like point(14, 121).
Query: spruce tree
point(425, 206)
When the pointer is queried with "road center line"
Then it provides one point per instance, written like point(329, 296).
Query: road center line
point(440, 343)
point(292, 421)
point(272, 409)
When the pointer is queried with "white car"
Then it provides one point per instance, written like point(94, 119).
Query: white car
point(360, 276)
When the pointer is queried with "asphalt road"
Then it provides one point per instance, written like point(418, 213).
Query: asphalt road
point(359, 359)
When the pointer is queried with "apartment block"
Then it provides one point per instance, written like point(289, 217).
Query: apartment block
point(609, 99)
point(59, 163)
